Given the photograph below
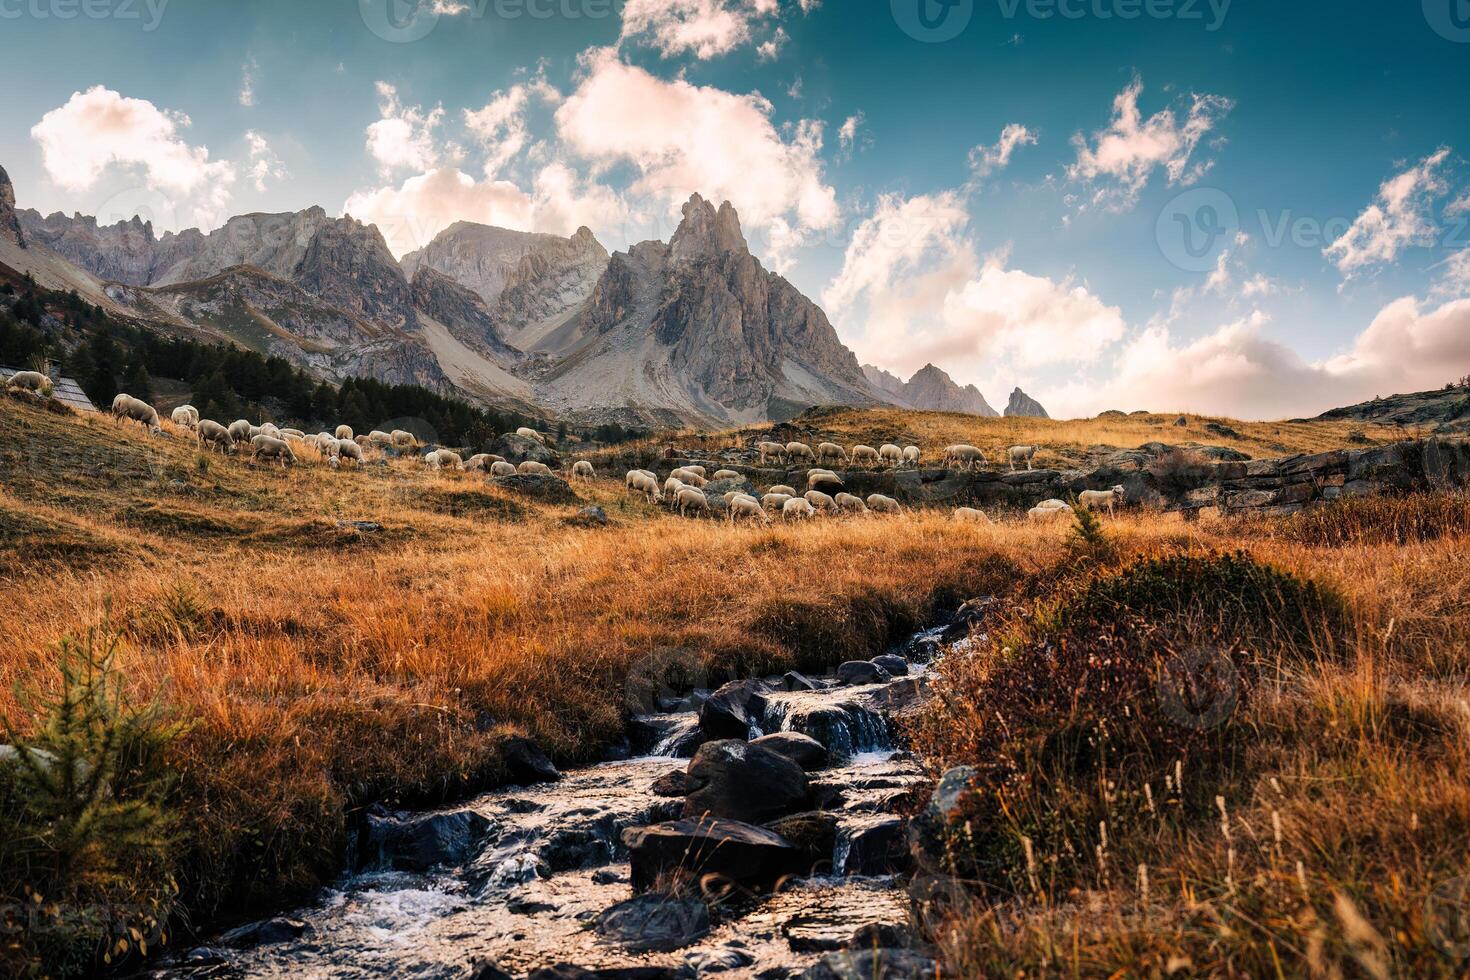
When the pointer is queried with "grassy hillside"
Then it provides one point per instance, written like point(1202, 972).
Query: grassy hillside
point(320, 667)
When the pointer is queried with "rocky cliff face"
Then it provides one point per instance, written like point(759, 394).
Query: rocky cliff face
point(126, 252)
point(463, 312)
point(274, 242)
point(930, 390)
point(549, 284)
point(9, 222)
point(1023, 404)
point(348, 265)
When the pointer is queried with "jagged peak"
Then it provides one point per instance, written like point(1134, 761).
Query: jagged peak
point(704, 230)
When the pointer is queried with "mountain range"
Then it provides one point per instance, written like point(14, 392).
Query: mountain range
point(693, 331)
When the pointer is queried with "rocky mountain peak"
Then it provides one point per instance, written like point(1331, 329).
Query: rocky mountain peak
point(1024, 405)
point(9, 222)
point(705, 231)
point(930, 389)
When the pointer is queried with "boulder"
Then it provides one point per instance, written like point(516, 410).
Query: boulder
point(589, 517)
point(794, 680)
point(736, 780)
point(801, 749)
point(873, 964)
point(843, 727)
point(654, 923)
point(741, 852)
point(876, 846)
point(733, 710)
point(543, 489)
point(893, 663)
point(670, 783)
point(519, 449)
point(525, 764)
point(417, 842)
point(971, 612)
point(718, 488)
point(855, 672)
point(814, 833)
point(268, 932)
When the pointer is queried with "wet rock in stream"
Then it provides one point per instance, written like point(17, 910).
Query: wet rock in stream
point(654, 922)
point(740, 780)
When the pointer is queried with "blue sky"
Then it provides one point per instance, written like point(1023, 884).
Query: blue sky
point(1006, 192)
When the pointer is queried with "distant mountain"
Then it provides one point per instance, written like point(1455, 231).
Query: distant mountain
point(9, 221)
point(1445, 409)
point(1024, 405)
point(930, 389)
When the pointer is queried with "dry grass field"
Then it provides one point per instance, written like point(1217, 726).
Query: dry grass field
point(319, 667)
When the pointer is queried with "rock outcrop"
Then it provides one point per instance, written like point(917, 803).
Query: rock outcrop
point(9, 222)
point(930, 390)
point(1023, 404)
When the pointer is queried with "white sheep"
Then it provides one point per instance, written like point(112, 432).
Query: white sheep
point(644, 483)
point(380, 438)
point(269, 447)
point(672, 486)
point(890, 453)
point(691, 479)
point(770, 451)
point(1102, 499)
point(821, 501)
point(343, 432)
point(822, 478)
point(502, 468)
point(292, 434)
point(210, 433)
point(117, 402)
point(347, 449)
point(744, 505)
point(774, 501)
point(628, 480)
point(797, 508)
point(526, 432)
point(33, 381)
point(1049, 511)
point(582, 470)
point(185, 415)
point(689, 498)
point(696, 469)
point(969, 515)
point(444, 459)
point(478, 463)
point(270, 429)
point(865, 455)
point(1022, 454)
point(240, 430)
point(963, 456)
point(911, 455)
point(851, 504)
point(136, 410)
point(326, 443)
point(831, 452)
point(725, 475)
point(403, 439)
point(883, 505)
point(532, 468)
point(800, 450)
point(782, 488)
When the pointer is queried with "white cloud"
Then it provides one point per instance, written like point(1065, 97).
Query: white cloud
point(1400, 216)
point(770, 49)
point(1459, 207)
point(847, 133)
point(703, 28)
point(265, 166)
point(403, 139)
point(500, 126)
point(683, 138)
point(99, 129)
point(247, 82)
point(902, 236)
point(1454, 280)
point(986, 160)
point(1120, 160)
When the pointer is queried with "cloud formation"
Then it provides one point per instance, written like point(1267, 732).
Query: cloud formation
point(702, 28)
point(1401, 215)
point(403, 139)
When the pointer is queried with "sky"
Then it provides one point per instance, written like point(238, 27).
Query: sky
point(1253, 208)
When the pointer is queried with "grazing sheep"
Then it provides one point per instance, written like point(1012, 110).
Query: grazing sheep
point(969, 515)
point(911, 455)
point(1022, 454)
point(823, 480)
point(240, 430)
point(797, 508)
point(883, 505)
point(502, 469)
point(782, 488)
point(821, 501)
point(672, 486)
point(348, 449)
point(866, 455)
point(831, 452)
point(269, 429)
point(689, 498)
point(1102, 499)
point(380, 438)
point(256, 430)
point(774, 501)
point(363, 441)
point(744, 505)
point(478, 463)
point(269, 447)
point(444, 459)
point(532, 468)
point(136, 410)
point(403, 439)
point(210, 433)
point(725, 475)
point(890, 453)
point(526, 432)
point(800, 450)
point(696, 469)
point(851, 504)
point(326, 443)
point(292, 434)
point(343, 432)
point(1050, 510)
point(962, 456)
point(691, 479)
point(37, 382)
point(582, 470)
point(770, 451)
point(628, 480)
point(185, 415)
point(646, 485)
point(117, 402)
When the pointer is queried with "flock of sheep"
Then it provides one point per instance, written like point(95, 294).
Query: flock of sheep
point(682, 490)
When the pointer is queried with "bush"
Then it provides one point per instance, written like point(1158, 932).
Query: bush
point(1178, 471)
point(1380, 519)
point(86, 871)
